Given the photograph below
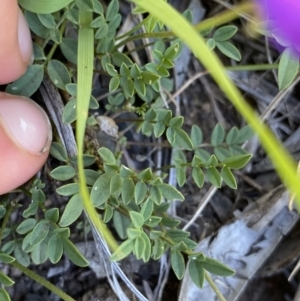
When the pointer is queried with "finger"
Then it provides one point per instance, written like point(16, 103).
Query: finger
point(15, 42)
point(25, 137)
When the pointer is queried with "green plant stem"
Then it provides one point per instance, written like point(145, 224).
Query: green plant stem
point(152, 144)
point(61, 21)
point(214, 287)
point(133, 29)
point(42, 281)
point(53, 48)
point(158, 35)
point(139, 48)
point(5, 220)
point(222, 18)
point(84, 87)
point(261, 67)
point(225, 16)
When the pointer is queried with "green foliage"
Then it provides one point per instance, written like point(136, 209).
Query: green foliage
point(152, 22)
point(4, 295)
point(5, 280)
point(220, 38)
point(196, 272)
point(58, 152)
point(59, 74)
point(72, 211)
point(44, 6)
point(135, 202)
point(55, 248)
point(288, 61)
point(36, 239)
point(27, 84)
point(63, 173)
point(123, 251)
point(198, 263)
point(288, 68)
point(5, 258)
point(177, 263)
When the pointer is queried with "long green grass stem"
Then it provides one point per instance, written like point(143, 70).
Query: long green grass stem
point(84, 89)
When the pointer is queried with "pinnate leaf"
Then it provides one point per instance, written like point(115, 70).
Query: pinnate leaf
point(63, 173)
point(73, 253)
point(196, 135)
point(26, 225)
point(101, 190)
point(232, 136)
point(5, 258)
point(55, 248)
point(59, 74)
point(136, 218)
point(106, 155)
point(39, 232)
point(198, 176)
point(196, 272)
point(5, 280)
point(28, 83)
point(214, 177)
point(4, 296)
point(169, 192)
point(245, 133)
point(140, 192)
point(177, 263)
point(218, 135)
point(123, 250)
point(68, 189)
point(224, 33)
point(139, 247)
point(228, 177)
point(182, 139)
point(216, 267)
point(288, 68)
point(44, 6)
point(237, 162)
point(229, 50)
point(128, 189)
point(72, 211)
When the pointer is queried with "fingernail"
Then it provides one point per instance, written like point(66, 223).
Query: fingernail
point(25, 123)
point(25, 42)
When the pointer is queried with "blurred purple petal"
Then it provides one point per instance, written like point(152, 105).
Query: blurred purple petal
point(285, 17)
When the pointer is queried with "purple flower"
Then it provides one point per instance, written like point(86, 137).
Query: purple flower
point(283, 17)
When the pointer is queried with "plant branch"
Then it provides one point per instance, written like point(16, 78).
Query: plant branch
point(214, 287)
point(5, 220)
point(222, 18)
point(41, 280)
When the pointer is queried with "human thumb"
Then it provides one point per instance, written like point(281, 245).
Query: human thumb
point(25, 138)
point(15, 42)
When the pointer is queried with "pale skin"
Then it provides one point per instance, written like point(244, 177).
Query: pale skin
point(25, 131)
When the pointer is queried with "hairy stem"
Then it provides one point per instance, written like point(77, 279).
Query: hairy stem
point(214, 287)
point(41, 280)
point(5, 220)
